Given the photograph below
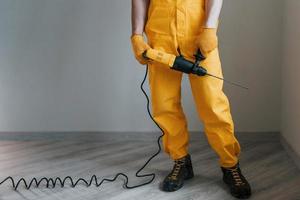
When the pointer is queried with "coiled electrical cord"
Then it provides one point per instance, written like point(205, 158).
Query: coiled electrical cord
point(62, 181)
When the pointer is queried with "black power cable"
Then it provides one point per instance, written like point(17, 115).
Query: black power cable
point(54, 181)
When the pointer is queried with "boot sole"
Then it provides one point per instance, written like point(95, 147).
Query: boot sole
point(172, 189)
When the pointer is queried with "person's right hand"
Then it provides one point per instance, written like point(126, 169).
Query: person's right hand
point(139, 46)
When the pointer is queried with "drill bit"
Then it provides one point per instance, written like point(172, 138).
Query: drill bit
point(232, 83)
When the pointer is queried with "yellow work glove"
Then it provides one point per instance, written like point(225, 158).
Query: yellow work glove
point(207, 40)
point(139, 46)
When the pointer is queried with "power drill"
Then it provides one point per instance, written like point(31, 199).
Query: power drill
point(178, 63)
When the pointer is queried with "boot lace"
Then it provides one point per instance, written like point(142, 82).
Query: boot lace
point(237, 177)
point(177, 166)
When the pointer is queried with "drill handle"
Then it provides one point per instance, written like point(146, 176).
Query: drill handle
point(199, 56)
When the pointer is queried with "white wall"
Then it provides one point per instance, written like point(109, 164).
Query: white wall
point(66, 65)
point(291, 75)
point(251, 34)
point(31, 41)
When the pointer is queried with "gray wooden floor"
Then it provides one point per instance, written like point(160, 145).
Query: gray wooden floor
point(272, 174)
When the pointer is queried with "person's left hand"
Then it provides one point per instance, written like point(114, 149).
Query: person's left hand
point(207, 40)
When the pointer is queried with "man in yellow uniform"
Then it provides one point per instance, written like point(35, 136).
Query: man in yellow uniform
point(181, 27)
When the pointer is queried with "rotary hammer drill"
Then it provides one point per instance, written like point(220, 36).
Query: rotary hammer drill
point(179, 63)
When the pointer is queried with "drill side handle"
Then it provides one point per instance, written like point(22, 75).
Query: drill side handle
point(160, 57)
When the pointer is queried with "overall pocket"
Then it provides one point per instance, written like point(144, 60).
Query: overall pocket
point(158, 21)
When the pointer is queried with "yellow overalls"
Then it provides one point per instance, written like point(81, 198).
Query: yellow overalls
point(173, 26)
